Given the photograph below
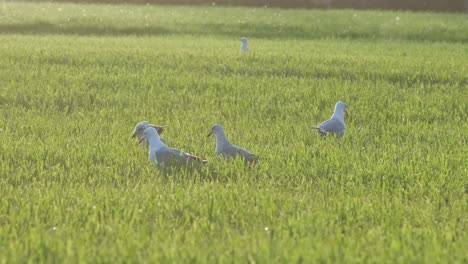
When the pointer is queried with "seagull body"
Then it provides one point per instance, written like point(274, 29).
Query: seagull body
point(226, 148)
point(165, 156)
point(244, 47)
point(335, 124)
point(140, 128)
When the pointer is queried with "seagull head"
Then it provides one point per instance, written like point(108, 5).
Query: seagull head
point(340, 108)
point(150, 132)
point(243, 39)
point(140, 128)
point(217, 128)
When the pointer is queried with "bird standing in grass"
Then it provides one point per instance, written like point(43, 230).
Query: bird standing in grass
point(228, 150)
point(335, 124)
point(244, 47)
point(165, 156)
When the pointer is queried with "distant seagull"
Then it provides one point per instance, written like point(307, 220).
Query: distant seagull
point(336, 123)
point(140, 128)
point(228, 150)
point(165, 156)
point(244, 47)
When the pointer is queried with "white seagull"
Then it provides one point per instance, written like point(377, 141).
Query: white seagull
point(165, 156)
point(140, 128)
point(228, 150)
point(336, 123)
point(244, 47)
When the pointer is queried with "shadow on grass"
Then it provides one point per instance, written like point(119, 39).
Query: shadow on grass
point(42, 28)
point(266, 31)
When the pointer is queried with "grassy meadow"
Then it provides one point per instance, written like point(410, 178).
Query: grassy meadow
point(74, 187)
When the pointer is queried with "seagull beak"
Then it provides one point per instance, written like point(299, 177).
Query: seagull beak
point(141, 140)
point(134, 134)
point(211, 133)
point(346, 112)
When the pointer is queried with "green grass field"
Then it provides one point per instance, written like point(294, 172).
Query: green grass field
point(75, 79)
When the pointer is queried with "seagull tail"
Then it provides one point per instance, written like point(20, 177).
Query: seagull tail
point(322, 133)
point(254, 159)
point(196, 158)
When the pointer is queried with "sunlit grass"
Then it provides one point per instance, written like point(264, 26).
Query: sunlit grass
point(76, 188)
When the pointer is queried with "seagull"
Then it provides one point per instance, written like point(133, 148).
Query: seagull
point(244, 47)
point(228, 150)
point(166, 156)
point(140, 128)
point(336, 123)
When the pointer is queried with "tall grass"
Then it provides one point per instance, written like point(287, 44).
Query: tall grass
point(76, 188)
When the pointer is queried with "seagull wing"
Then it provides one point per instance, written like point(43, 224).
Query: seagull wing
point(171, 156)
point(332, 126)
point(189, 156)
point(235, 151)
